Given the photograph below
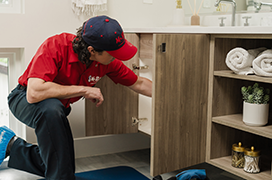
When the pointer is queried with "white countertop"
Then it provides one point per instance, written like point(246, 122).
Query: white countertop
point(203, 30)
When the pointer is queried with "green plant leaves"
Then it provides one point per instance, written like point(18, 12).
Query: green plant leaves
point(255, 94)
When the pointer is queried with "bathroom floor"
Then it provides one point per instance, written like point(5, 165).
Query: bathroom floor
point(138, 160)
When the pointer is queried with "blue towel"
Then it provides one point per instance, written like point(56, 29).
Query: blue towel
point(190, 174)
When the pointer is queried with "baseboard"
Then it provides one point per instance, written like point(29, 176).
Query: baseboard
point(108, 144)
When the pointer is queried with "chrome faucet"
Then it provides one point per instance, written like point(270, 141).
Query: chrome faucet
point(233, 8)
point(258, 5)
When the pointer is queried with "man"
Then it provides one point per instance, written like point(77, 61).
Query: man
point(64, 69)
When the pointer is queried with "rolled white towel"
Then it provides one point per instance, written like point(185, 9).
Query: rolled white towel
point(240, 60)
point(262, 65)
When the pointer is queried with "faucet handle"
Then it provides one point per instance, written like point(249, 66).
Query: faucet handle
point(257, 5)
point(222, 21)
point(246, 17)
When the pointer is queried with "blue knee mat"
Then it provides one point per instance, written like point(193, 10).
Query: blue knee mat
point(113, 173)
point(5, 136)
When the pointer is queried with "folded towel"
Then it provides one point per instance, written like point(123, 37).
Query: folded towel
point(262, 65)
point(240, 60)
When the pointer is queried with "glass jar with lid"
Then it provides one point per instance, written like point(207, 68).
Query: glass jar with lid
point(252, 158)
point(238, 159)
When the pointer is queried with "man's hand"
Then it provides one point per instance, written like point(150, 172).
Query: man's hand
point(94, 94)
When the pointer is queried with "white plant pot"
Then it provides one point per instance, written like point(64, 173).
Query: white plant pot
point(255, 114)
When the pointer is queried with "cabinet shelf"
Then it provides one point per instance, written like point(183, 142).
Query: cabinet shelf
point(231, 74)
point(225, 117)
point(236, 121)
point(225, 163)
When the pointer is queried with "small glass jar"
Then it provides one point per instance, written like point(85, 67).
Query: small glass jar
point(238, 159)
point(252, 158)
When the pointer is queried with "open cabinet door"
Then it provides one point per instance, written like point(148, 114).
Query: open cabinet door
point(120, 104)
point(180, 89)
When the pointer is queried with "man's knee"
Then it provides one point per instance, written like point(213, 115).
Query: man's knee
point(52, 107)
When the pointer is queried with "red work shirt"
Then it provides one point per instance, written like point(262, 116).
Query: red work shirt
point(55, 61)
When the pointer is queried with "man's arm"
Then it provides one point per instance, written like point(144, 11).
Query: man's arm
point(142, 86)
point(38, 90)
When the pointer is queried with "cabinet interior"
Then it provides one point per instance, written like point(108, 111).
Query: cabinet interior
point(224, 45)
point(145, 103)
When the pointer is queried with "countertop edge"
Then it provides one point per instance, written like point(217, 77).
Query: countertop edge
point(202, 30)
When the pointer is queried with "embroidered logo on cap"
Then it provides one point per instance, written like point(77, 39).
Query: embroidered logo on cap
point(120, 40)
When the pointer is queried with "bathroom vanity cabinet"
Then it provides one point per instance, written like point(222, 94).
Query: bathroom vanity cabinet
point(196, 108)
point(178, 123)
point(225, 107)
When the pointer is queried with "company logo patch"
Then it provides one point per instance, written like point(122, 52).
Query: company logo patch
point(93, 79)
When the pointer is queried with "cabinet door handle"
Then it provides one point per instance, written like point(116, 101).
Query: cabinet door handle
point(162, 47)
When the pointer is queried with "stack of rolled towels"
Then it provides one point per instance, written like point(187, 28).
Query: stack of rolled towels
point(254, 61)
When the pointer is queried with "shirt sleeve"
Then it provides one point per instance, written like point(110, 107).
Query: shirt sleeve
point(47, 60)
point(120, 73)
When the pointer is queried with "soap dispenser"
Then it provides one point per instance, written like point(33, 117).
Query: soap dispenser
point(178, 17)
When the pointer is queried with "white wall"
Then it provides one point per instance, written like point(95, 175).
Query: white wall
point(40, 20)
point(3, 98)
point(135, 13)
point(208, 6)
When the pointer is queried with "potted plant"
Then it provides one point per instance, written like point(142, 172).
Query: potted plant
point(256, 105)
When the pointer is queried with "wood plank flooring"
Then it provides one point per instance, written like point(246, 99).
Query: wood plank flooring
point(138, 160)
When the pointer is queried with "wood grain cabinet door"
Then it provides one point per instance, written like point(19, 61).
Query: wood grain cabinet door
point(180, 89)
point(114, 116)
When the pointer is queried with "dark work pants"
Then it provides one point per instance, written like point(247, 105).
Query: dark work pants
point(53, 158)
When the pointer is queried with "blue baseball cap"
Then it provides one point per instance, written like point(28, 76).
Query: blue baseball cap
point(105, 33)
